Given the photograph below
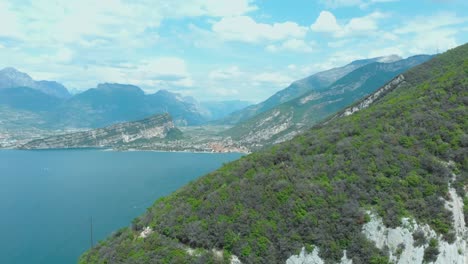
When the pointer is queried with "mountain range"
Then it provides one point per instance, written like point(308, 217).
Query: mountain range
point(11, 78)
point(288, 119)
point(281, 117)
point(383, 181)
point(104, 105)
point(316, 82)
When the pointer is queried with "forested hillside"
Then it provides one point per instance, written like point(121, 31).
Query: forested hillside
point(317, 189)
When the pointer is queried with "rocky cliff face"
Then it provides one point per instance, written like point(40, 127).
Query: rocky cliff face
point(153, 128)
point(366, 102)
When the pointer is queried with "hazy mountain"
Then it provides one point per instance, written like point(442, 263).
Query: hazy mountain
point(11, 78)
point(383, 184)
point(112, 102)
point(25, 98)
point(220, 109)
point(288, 119)
point(315, 82)
point(104, 105)
point(184, 110)
point(157, 127)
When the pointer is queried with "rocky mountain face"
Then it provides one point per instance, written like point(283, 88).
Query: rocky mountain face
point(11, 78)
point(316, 82)
point(157, 127)
point(385, 184)
point(291, 118)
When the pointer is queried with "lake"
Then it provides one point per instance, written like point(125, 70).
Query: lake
point(47, 198)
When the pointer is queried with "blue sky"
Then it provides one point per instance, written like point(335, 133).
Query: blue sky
point(216, 49)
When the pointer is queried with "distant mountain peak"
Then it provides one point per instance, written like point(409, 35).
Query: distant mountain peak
point(165, 92)
point(119, 87)
point(14, 74)
point(11, 78)
point(9, 70)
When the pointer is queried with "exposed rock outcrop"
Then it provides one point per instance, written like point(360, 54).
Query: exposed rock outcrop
point(400, 241)
point(373, 97)
point(155, 127)
point(313, 258)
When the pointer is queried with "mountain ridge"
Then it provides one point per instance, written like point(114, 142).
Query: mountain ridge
point(11, 78)
point(157, 127)
point(324, 195)
point(317, 81)
point(290, 118)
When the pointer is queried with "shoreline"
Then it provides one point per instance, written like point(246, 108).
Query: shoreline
point(130, 150)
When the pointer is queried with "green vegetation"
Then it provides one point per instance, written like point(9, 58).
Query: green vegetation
point(315, 189)
point(431, 252)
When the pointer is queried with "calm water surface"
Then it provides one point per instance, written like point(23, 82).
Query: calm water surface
point(48, 197)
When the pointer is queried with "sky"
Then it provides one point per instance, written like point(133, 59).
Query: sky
point(216, 49)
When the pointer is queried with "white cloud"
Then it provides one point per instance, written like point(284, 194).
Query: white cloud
point(214, 8)
point(245, 29)
point(325, 22)
point(295, 45)
point(338, 43)
point(363, 24)
point(336, 59)
point(353, 3)
point(433, 41)
point(64, 55)
point(164, 68)
point(151, 74)
point(274, 78)
point(247, 84)
point(383, 1)
point(427, 24)
point(397, 50)
point(46, 23)
point(225, 74)
point(10, 24)
point(389, 36)
point(341, 3)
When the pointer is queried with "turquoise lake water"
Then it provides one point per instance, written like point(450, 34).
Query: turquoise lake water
point(47, 198)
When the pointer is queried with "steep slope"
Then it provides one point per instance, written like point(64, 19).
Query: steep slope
point(157, 127)
point(289, 119)
point(11, 78)
point(400, 158)
point(315, 82)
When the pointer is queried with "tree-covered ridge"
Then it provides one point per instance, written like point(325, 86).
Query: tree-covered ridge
point(315, 189)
